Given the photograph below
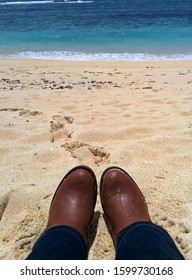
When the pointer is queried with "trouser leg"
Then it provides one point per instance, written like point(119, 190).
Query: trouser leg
point(59, 243)
point(146, 241)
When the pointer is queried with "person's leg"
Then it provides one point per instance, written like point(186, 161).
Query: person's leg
point(59, 243)
point(146, 241)
point(126, 213)
point(70, 215)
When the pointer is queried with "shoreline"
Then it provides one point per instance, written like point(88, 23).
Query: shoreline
point(177, 63)
point(100, 56)
point(59, 114)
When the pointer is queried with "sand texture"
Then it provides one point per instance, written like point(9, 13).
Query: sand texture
point(57, 114)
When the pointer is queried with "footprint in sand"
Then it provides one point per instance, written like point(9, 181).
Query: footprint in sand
point(63, 119)
point(87, 154)
point(58, 127)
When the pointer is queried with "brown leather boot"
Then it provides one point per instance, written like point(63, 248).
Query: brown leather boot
point(122, 201)
point(74, 200)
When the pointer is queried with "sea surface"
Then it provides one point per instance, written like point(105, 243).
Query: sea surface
point(96, 30)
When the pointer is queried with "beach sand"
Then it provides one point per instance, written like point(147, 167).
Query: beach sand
point(57, 114)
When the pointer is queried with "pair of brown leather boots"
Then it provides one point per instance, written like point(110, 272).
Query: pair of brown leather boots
point(75, 198)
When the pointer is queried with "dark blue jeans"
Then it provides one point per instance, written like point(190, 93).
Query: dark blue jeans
point(139, 241)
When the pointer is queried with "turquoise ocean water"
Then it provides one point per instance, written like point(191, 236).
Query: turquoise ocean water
point(96, 30)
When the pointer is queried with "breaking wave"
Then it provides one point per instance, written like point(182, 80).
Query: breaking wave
point(45, 2)
point(80, 56)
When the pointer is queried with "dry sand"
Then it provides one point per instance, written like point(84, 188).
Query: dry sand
point(57, 114)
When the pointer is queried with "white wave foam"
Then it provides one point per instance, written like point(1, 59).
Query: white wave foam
point(45, 2)
point(79, 56)
point(79, 1)
point(26, 2)
point(72, 1)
